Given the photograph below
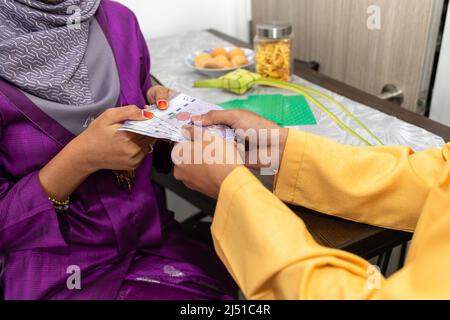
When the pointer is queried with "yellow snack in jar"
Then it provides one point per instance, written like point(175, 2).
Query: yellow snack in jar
point(273, 59)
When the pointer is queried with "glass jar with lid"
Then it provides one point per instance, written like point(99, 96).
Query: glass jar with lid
point(274, 50)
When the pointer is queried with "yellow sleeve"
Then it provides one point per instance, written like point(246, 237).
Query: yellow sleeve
point(381, 186)
point(425, 275)
point(270, 253)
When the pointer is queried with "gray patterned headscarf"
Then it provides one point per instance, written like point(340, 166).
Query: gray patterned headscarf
point(42, 45)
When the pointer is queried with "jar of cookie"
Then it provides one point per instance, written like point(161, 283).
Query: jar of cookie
point(274, 50)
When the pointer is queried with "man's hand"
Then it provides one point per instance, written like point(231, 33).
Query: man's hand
point(269, 139)
point(236, 119)
point(204, 163)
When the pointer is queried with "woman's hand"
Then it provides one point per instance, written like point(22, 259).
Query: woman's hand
point(268, 137)
point(104, 147)
point(101, 146)
point(203, 164)
point(160, 96)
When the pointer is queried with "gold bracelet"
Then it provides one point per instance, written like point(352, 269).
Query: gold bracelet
point(60, 205)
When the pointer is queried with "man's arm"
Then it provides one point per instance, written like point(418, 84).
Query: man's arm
point(271, 255)
point(382, 186)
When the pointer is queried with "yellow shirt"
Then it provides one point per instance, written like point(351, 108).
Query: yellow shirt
point(271, 255)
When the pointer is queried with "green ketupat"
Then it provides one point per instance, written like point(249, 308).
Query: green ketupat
point(238, 82)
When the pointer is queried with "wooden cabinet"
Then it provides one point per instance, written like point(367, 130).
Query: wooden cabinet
point(440, 107)
point(336, 34)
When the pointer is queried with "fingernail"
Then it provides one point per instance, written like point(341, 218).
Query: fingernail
point(162, 104)
point(148, 114)
point(186, 133)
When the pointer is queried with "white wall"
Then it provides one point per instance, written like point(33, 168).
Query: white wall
point(440, 106)
point(159, 18)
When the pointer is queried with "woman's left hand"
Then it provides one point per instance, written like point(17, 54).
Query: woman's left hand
point(203, 164)
point(160, 96)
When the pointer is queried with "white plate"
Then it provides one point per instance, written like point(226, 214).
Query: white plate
point(216, 73)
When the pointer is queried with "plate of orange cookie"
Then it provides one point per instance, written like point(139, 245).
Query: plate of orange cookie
point(215, 62)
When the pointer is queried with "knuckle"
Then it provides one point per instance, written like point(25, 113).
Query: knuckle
point(161, 90)
point(129, 153)
point(212, 114)
point(131, 109)
point(177, 173)
point(109, 112)
point(134, 150)
point(234, 113)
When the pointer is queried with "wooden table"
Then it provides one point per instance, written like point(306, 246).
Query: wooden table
point(363, 240)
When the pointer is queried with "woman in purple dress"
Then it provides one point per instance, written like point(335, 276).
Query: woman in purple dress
point(79, 216)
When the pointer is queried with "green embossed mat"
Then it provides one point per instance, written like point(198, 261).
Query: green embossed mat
point(283, 110)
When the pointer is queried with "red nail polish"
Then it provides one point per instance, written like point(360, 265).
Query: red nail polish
point(162, 104)
point(148, 114)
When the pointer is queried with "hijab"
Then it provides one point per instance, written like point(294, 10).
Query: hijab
point(42, 45)
point(55, 52)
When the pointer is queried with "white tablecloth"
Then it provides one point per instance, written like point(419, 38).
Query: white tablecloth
point(169, 68)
